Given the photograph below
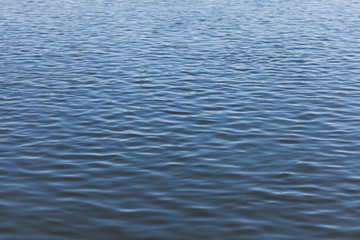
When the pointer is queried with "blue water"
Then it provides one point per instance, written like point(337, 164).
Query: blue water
point(168, 119)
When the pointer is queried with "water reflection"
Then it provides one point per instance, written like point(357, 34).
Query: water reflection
point(179, 120)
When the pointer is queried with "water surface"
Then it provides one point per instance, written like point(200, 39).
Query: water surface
point(192, 119)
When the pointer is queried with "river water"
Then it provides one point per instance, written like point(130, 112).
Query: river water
point(168, 119)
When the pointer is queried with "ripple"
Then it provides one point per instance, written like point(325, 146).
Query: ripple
point(179, 120)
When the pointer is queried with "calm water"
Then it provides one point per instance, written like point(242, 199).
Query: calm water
point(168, 119)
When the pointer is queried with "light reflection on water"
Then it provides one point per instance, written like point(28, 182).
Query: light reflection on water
point(179, 119)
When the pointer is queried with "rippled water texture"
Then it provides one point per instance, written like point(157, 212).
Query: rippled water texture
point(168, 119)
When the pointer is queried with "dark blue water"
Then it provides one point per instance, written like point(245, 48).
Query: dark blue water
point(192, 119)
